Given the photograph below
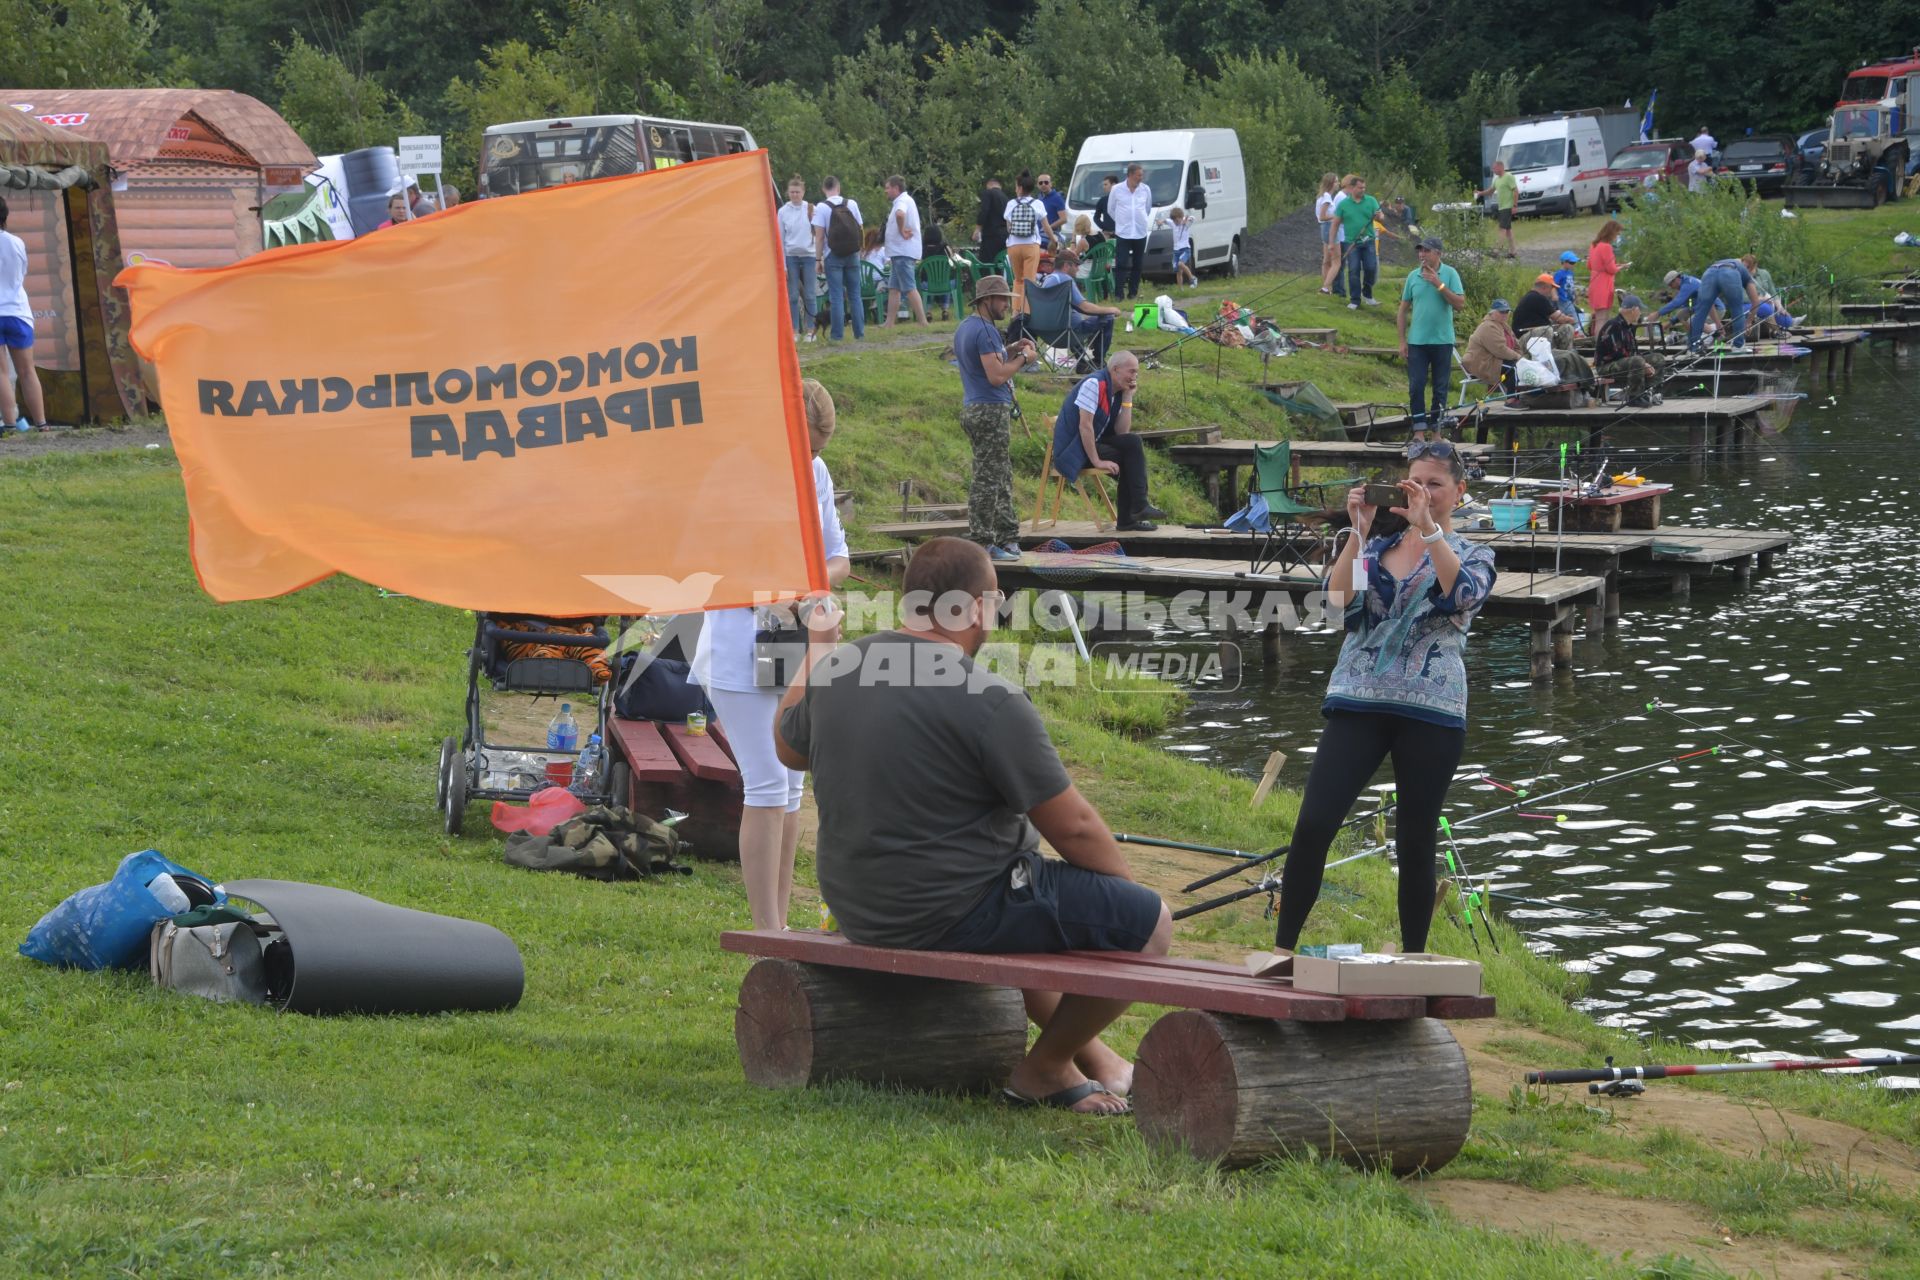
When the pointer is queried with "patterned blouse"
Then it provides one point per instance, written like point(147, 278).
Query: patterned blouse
point(1405, 639)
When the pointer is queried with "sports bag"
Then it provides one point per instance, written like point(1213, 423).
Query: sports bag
point(221, 959)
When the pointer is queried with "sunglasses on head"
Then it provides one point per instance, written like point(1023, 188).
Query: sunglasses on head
point(1429, 449)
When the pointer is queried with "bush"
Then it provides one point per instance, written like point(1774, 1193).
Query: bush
point(1668, 228)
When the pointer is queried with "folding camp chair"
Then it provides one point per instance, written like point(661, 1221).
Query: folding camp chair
point(1059, 484)
point(1296, 538)
point(937, 281)
point(1049, 319)
point(1099, 285)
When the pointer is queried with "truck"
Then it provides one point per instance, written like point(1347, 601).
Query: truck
point(1560, 158)
point(1871, 136)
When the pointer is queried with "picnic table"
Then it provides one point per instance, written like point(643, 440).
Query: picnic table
point(1247, 1068)
point(1611, 509)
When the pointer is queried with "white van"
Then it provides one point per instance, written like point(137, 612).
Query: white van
point(1560, 162)
point(1198, 170)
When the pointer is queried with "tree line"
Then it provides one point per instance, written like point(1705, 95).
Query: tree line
point(947, 91)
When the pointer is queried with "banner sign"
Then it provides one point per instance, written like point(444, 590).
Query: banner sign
point(583, 400)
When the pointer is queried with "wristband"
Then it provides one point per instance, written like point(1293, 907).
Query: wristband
point(1439, 532)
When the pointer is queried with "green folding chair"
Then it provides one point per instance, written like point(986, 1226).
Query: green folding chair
point(1099, 284)
point(1299, 513)
point(872, 296)
point(937, 281)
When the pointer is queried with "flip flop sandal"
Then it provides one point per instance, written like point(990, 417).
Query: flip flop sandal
point(1066, 1098)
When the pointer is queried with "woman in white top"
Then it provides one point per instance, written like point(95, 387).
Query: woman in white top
point(724, 662)
point(1026, 228)
point(1332, 236)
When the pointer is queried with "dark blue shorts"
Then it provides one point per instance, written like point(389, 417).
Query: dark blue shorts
point(15, 333)
point(1055, 906)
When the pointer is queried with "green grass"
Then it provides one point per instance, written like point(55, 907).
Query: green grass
point(602, 1128)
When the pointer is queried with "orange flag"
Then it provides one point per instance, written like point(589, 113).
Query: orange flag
point(583, 400)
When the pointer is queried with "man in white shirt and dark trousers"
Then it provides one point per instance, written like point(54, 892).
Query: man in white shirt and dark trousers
point(836, 245)
point(796, 241)
point(16, 336)
point(1131, 207)
point(903, 253)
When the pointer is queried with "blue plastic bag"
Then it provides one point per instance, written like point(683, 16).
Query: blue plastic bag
point(1255, 517)
point(106, 926)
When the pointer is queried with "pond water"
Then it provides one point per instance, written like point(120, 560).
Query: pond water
point(1759, 900)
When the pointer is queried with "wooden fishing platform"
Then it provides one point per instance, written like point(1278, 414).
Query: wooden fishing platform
point(1551, 604)
point(1707, 418)
point(1219, 462)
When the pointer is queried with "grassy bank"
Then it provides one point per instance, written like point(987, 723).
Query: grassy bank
point(602, 1128)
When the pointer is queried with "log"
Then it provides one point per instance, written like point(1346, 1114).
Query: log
point(1240, 1090)
point(803, 1024)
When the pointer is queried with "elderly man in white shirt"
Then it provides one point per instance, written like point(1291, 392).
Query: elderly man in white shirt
point(1131, 207)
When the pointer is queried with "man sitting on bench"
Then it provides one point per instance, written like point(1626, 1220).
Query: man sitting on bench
point(932, 776)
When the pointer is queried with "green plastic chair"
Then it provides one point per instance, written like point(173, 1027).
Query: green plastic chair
point(937, 281)
point(1299, 513)
point(1099, 284)
point(872, 296)
point(1003, 267)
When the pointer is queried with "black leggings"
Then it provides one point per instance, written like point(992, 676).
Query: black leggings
point(1351, 748)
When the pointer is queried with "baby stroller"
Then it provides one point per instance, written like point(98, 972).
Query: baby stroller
point(475, 769)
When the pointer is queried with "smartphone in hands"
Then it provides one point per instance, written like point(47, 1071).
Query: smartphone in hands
point(1384, 495)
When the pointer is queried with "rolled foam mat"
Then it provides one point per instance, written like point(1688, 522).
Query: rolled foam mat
point(355, 954)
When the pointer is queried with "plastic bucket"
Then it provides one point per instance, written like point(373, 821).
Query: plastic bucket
point(1510, 514)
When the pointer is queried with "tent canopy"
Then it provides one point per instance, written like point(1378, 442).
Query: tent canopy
point(137, 124)
point(39, 156)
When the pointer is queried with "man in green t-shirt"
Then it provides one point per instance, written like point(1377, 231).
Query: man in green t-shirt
point(1506, 194)
point(1427, 303)
point(1356, 220)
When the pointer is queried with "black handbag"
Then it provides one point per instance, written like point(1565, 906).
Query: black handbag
point(779, 647)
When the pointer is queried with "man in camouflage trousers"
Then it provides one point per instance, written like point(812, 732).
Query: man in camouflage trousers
point(987, 366)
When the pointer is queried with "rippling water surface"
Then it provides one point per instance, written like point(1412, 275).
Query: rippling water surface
point(1760, 900)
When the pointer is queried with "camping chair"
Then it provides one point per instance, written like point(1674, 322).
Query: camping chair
point(1050, 319)
point(937, 281)
point(1050, 478)
point(872, 296)
point(1099, 285)
point(1299, 512)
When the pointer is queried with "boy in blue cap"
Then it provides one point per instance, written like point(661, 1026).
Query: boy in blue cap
point(1565, 289)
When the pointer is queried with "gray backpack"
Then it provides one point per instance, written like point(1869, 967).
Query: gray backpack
point(222, 960)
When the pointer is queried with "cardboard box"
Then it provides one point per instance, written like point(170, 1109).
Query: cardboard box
point(1419, 973)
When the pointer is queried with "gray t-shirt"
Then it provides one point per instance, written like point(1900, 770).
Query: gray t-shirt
point(975, 337)
point(924, 768)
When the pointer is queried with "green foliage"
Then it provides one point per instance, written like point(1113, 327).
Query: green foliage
point(1488, 96)
point(1290, 128)
point(75, 44)
point(1400, 129)
point(514, 82)
point(334, 108)
point(1670, 227)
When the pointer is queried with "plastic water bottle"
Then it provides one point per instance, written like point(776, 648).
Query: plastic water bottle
point(169, 894)
point(563, 734)
point(586, 769)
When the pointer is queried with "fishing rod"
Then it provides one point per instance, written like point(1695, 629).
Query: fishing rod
point(1122, 837)
point(1221, 324)
point(1281, 852)
point(1595, 1077)
point(1601, 781)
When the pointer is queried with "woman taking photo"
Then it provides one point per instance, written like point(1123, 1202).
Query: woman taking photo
point(741, 685)
point(1603, 269)
point(1399, 688)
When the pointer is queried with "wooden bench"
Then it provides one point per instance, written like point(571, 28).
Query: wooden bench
point(1245, 1069)
point(674, 769)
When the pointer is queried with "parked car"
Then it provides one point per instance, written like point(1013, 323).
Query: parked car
point(1811, 145)
point(1645, 163)
point(1764, 162)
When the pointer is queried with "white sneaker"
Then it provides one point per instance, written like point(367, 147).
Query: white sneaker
point(1372, 302)
point(1353, 306)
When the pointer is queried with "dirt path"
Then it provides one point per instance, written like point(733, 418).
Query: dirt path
point(33, 444)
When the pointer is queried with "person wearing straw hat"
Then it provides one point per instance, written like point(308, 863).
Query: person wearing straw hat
point(987, 366)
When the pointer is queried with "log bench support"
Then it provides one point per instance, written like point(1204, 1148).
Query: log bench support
point(1396, 1095)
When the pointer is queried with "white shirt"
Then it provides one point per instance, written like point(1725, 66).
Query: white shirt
point(1339, 228)
point(1039, 219)
point(723, 659)
point(1706, 142)
point(13, 278)
point(1132, 211)
point(1698, 174)
point(796, 229)
point(875, 257)
point(1182, 234)
point(907, 246)
point(823, 212)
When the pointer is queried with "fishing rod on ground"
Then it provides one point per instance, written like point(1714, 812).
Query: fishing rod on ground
point(1621, 1080)
point(1122, 837)
point(1254, 860)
